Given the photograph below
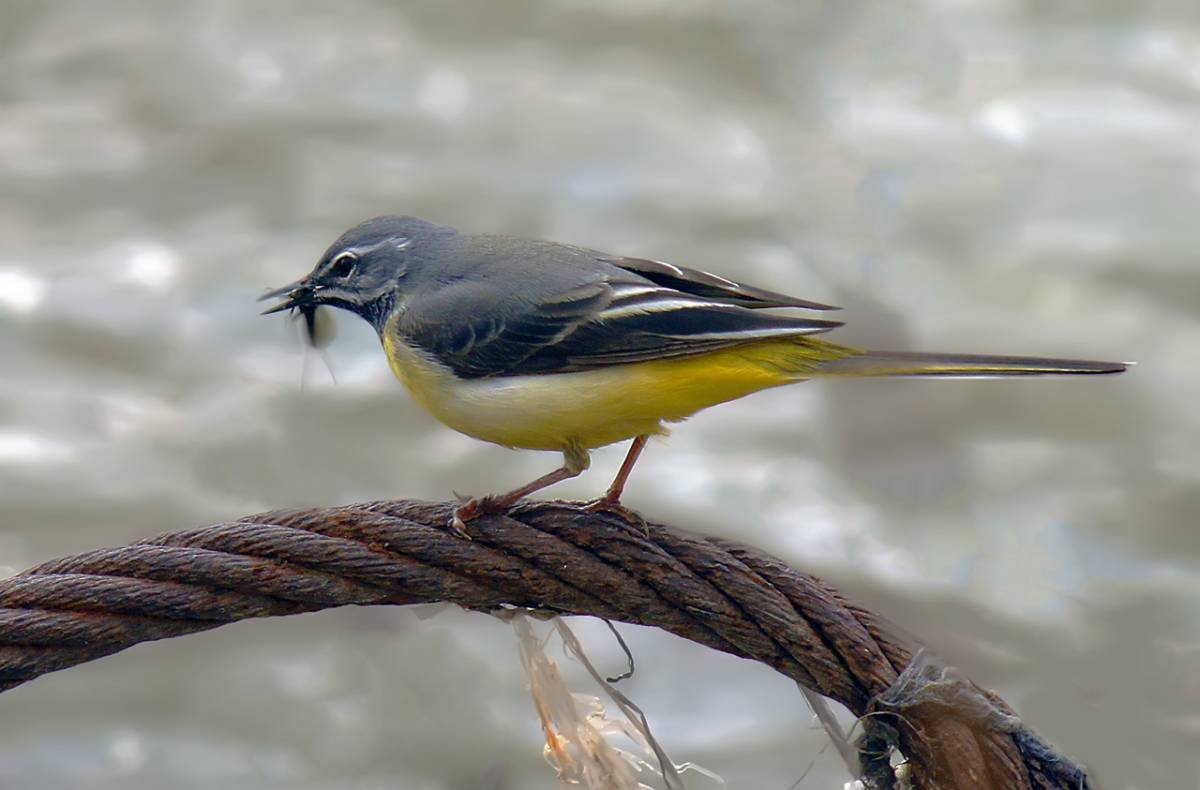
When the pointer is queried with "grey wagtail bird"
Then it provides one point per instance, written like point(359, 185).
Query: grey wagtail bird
point(547, 346)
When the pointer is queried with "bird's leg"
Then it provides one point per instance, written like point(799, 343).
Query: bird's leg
point(617, 487)
point(611, 501)
point(575, 461)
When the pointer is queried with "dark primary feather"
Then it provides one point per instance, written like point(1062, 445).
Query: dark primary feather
point(710, 286)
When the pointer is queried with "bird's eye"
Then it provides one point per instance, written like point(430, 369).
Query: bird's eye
point(343, 264)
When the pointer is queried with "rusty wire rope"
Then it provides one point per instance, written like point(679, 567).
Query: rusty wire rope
point(553, 557)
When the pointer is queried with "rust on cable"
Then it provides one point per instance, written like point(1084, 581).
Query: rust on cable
point(552, 557)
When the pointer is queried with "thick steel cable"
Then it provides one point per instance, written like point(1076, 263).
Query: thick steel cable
point(549, 556)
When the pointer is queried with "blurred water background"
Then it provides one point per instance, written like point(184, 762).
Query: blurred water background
point(971, 175)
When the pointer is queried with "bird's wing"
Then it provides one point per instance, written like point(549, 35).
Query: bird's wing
point(711, 286)
point(601, 322)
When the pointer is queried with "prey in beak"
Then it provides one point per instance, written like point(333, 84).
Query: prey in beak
point(301, 299)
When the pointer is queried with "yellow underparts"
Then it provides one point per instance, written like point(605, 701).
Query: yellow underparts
point(579, 411)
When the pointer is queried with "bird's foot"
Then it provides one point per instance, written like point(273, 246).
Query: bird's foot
point(474, 507)
point(610, 504)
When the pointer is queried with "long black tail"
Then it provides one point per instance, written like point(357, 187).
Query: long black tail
point(908, 363)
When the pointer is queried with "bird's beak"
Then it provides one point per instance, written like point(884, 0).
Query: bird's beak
point(299, 295)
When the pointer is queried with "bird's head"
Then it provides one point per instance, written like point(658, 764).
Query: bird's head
point(363, 271)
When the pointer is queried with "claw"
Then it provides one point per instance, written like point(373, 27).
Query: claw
point(459, 527)
point(468, 510)
point(474, 507)
point(609, 505)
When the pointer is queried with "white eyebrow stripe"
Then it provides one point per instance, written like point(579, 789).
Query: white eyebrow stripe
point(397, 242)
point(719, 278)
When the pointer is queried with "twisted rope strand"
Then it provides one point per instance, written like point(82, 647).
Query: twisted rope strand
point(553, 557)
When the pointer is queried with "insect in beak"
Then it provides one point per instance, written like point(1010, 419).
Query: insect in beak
point(301, 298)
point(297, 294)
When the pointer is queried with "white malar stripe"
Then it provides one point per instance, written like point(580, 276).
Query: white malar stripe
point(656, 306)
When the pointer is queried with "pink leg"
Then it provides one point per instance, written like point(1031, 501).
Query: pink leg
point(613, 495)
point(611, 501)
point(575, 461)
